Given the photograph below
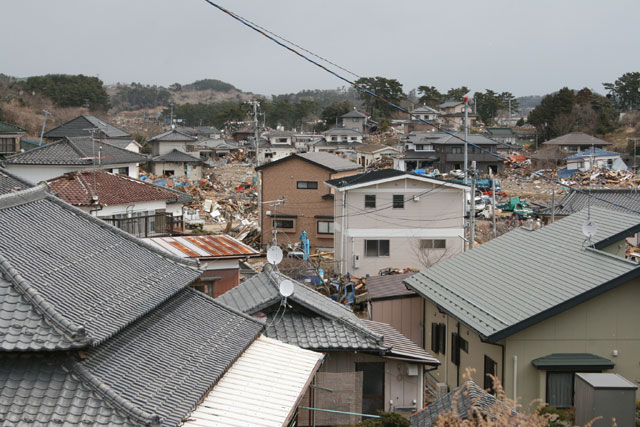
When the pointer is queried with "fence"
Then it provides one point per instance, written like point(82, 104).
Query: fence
point(160, 224)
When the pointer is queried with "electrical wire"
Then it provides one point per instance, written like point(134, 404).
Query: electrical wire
point(397, 107)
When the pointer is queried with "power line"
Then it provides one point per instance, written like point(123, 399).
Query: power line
point(367, 91)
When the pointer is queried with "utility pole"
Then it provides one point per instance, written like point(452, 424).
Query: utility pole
point(493, 205)
point(255, 104)
point(472, 209)
point(171, 105)
point(553, 204)
point(635, 166)
point(466, 134)
point(44, 123)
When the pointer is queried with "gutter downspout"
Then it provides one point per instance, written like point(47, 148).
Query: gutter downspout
point(457, 346)
point(515, 378)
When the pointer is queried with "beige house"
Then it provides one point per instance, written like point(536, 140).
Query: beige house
point(10, 136)
point(389, 218)
point(306, 202)
point(536, 307)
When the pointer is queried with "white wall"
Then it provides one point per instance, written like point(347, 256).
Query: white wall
point(38, 173)
point(133, 207)
point(437, 214)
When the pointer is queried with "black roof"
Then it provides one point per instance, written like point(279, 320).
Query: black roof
point(324, 160)
point(76, 151)
point(10, 183)
point(81, 125)
point(69, 281)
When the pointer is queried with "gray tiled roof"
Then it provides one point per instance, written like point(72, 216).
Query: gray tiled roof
point(176, 156)
point(76, 151)
point(539, 274)
point(165, 363)
point(469, 399)
point(320, 334)
point(42, 390)
point(81, 125)
point(354, 114)
point(10, 183)
point(157, 369)
point(401, 346)
point(68, 265)
point(260, 293)
point(577, 138)
point(343, 131)
point(122, 142)
point(173, 135)
point(575, 201)
point(457, 138)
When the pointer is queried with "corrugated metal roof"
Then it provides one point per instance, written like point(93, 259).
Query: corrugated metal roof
point(523, 276)
point(565, 361)
point(575, 201)
point(209, 247)
point(262, 388)
point(390, 286)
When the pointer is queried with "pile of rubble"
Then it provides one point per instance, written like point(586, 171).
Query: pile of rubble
point(603, 177)
point(225, 200)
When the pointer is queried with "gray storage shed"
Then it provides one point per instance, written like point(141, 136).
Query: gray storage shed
point(607, 396)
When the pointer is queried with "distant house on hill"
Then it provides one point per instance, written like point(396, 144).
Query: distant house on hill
point(355, 120)
point(575, 142)
point(73, 154)
point(86, 125)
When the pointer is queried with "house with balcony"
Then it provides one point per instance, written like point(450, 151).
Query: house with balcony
point(10, 137)
point(71, 155)
point(575, 142)
point(395, 219)
point(307, 203)
point(449, 149)
point(138, 207)
point(343, 135)
point(553, 306)
point(452, 114)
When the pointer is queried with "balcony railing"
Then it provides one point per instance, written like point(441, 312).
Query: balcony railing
point(160, 224)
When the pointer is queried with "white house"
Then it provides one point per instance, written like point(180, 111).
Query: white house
point(424, 113)
point(70, 155)
point(368, 154)
point(391, 218)
point(596, 158)
point(336, 135)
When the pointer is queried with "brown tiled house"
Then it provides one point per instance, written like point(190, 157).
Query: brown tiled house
point(308, 203)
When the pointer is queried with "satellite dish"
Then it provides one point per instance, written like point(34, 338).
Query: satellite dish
point(589, 228)
point(286, 288)
point(274, 255)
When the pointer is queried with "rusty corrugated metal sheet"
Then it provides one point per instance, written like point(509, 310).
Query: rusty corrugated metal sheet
point(221, 246)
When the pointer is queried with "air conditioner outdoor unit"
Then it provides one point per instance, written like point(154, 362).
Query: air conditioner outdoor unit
point(356, 261)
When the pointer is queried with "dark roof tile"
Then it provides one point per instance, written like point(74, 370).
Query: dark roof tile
point(81, 126)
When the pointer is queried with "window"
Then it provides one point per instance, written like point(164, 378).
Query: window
point(282, 140)
point(191, 148)
point(376, 248)
point(334, 138)
point(433, 244)
point(325, 227)
point(355, 120)
point(560, 389)
point(354, 138)
point(398, 201)
point(458, 343)
point(370, 201)
point(307, 185)
point(456, 150)
point(121, 171)
point(282, 223)
point(438, 337)
point(7, 145)
point(490, 369)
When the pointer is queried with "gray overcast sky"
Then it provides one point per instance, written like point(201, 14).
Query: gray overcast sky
point(526, 47)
